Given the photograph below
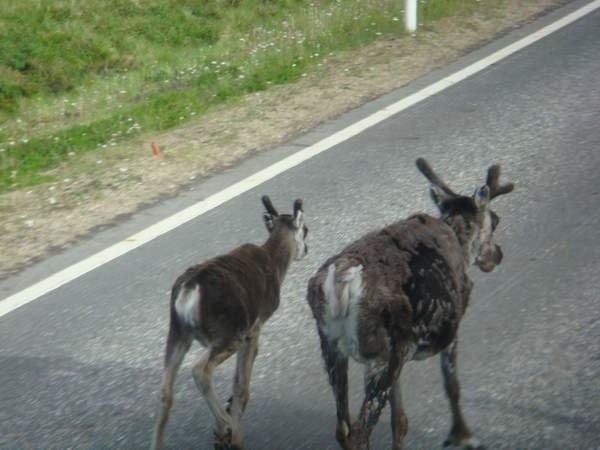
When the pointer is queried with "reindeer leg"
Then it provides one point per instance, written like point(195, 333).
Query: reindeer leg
point(460, 434)
point(336, 365)
point(177, 346)
point(399, 420)
point(243, 371)
point(226, 434)
point(379, 379)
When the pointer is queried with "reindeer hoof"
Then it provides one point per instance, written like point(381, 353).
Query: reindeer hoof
point(222, 446)
point(342, 433)
point(223, 439)
point(471, 443)
point(226, 439)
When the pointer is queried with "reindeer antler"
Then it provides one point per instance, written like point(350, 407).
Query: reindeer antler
point(269, 206)
point(426, 170)
point(493, 182)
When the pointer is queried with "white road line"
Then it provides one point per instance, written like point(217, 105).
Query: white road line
point(76, 270)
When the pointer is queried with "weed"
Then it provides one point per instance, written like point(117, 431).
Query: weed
point(76, 79)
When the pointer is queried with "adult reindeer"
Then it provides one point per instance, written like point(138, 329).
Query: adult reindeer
point(223, 304)
point(398, 294)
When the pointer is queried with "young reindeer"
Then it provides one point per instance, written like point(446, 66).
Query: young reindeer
point(223, 304)
point(398, 294)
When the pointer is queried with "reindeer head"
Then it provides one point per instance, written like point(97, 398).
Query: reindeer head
point(471, 217)
point(290, 227)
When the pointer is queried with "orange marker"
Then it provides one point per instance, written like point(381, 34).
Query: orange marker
point(156, 150)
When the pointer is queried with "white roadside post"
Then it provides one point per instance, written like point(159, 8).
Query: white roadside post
point(410, 15)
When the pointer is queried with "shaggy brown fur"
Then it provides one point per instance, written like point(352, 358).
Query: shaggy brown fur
point(223, 303)
point(233, 283)
point(400, 293)
point(408, 266)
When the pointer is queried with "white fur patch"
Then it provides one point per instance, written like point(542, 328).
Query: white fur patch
point(187, 305)
point(333, 308)
point(342, 294)
point(345, 428)
point(298, 219)
point(299, 236)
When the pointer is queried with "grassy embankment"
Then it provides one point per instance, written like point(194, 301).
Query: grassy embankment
point(80, 76)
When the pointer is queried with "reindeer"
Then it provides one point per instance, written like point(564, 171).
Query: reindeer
point(223, 303)
point(398, 294)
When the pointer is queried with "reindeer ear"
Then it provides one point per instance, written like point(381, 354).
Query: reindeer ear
point(297, 206)
point(298, 212)
point(482, 197)
point(298, 219)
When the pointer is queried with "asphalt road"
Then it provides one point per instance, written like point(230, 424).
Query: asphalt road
point(80, 367)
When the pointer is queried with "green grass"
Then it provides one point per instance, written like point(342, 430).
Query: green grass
point(437, 9)
point(80, 76)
